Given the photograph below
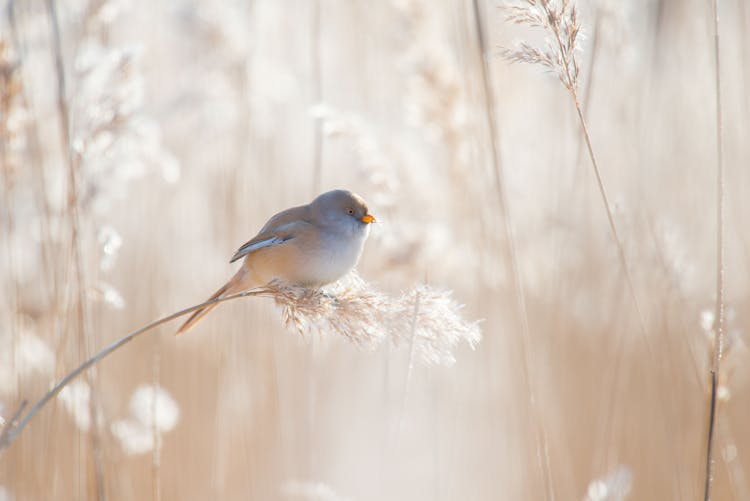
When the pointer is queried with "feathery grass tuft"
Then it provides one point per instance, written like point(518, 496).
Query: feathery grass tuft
point(558, 55)
point(354, 310)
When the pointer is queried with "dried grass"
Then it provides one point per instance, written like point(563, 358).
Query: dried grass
point(718, 327)
point(226, 88)
point(357, 312)
point(558, 55)
point(350, 308)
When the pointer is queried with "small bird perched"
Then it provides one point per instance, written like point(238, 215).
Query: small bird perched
point(310, 245)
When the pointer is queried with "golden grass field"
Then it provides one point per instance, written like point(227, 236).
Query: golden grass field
point(142, 143)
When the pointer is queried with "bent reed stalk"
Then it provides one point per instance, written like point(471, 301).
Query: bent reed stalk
point(15, 425)
point(350, 308)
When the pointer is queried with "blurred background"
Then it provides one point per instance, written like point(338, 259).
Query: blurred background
point(142, 143)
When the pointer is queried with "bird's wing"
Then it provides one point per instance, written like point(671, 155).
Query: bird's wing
point(259, 242)
point(281, 228)
point(295, 214)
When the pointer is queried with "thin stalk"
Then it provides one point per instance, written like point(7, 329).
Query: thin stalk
point(315, 61)
point(155, 431)
point(570, 83)
point(719, 314)
point(34, 152)
point(10, 249)
point(599, 182)
point(10, 92)
point(542, 448)
point(410, 366)
point(623, 263)
point(75, 237)
point(576, 186)
point(11, 431)
point(610, 218)
point(317, 82)
point(745, 54)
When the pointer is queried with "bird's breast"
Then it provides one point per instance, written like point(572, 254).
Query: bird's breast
point(337, 255)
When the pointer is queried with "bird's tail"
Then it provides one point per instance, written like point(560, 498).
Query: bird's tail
point(234, 285)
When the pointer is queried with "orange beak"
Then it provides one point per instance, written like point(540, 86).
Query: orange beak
point(368, 218)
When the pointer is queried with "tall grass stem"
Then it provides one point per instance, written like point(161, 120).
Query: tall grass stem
point(720, 271)
point(75, 241)
point(14, 426)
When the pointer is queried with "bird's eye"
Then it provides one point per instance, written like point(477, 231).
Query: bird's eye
point(350, 211)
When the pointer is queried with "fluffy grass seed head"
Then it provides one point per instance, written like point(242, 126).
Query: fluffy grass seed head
point(559, 18)
point(355, 310)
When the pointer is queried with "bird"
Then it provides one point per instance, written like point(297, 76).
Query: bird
point(310, 246)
